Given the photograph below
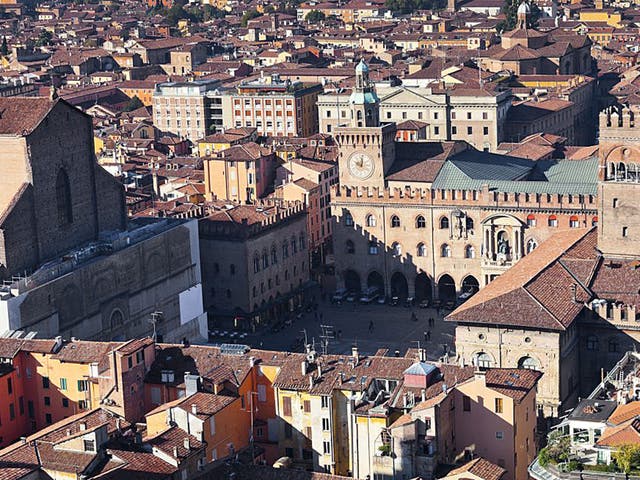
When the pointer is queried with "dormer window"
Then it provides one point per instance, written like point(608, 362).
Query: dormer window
point(167, 376)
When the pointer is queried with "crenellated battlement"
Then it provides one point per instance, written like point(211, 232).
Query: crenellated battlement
point(463, 198)
point(616, 121)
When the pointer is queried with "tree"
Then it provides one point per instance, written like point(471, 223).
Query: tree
point(248, 15)
point(510, 10)
point(175, 14)
point(44, 38)
point(134, 104)
point(4, 48)
point(627, 457)
point(315, 16)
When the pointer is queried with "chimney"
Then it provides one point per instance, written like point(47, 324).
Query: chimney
point(83, 425)
point(187, 445)
point(58, 345)
point(191, 383)
point(422, 354)
point(319, 370)
point(354, 353)
point(310, 382)
point(252, 362)
point(341, 377)
point(175, 452)
point(423, 393)
point(303, 367)
point(194, 409)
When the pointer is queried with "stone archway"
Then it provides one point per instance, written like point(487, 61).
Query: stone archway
point(352, 280)
point(423, 287)
point(399, 285)
point(375, 280)
point(446, 288)
point(470, 284)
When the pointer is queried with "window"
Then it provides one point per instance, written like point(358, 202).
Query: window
point(12, 411)
point(63, 198)
point(48, 418)
point(615, 203)
point(286, 406)
point(499, 435)
point(9, 386)
point(45, 382)
point(454, 130)
point(89, 445)
point(351, 249)
point(373, 248)
point(301, 242)
point(265, 259)
point(469, 252)
point(395, 221)
point(625, 231)
point(285, 250)
point(274, 255)
point(445, 250)
point(324, 402)
point(65, 402)
point(469, 130)
point(422, 250)
point(444, 223)
point(469, 222)
point(532, 244)
point(325, 424)
point(396, 249)
point(468, 115)
point(307, 406)
point(485, 130)
point(326, 448)
point(421, 222)
point(592, 342)
point(483, 360)
point(371, 221)
point(348, 220)
point(256, 264)
point(466, 403)
point(82, 404)
point(531, 220)
point(528, 363)
point(574, 222)
point(498, 406)
point(47, 401)
point(21, 405)
point(594, 221)
point(83, 385)
point(553, 221)
point(436, 130)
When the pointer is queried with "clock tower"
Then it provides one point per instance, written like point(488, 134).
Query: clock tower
point(366, 148)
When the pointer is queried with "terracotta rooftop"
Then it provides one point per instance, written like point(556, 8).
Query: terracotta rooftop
point(21, 115)
point(481, 468)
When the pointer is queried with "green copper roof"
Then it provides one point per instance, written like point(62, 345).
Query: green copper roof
point(362, 67)
point(470, 170)
point(362, 98)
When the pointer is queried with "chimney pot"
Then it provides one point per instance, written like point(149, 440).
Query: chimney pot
point(187, 445)
point(194, 409)
point(175, 452)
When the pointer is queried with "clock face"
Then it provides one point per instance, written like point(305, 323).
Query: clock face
point(360, 165)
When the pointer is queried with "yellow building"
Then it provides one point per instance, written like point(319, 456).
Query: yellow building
point(608, 16)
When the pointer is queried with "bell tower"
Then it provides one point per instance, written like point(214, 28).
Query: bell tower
point(366, 148)
point(619, 183)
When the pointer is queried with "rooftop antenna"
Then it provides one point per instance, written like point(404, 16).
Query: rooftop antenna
point(327, 333)
point(155, 317)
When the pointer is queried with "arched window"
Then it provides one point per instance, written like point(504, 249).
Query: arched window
point(528, 363)
point(574, 221)
point(294, 246)
point(117, 319)
point(274, 255)
point(348, 219)
point(351, 248)
point(469, 252)
point(422, 250)
point(285, 250)
point(469, 223)
point(373, 248)
point(445, 250)
point(256, 263)
point(444, 223)
point(395, 221)
point(553, 221)
point(396, 248)
point(482, 360)
point(63, 198)
point(532, 244)
point(359, 114)
point(594, 221)
point(421, 222)
point(531, 220)
point(301, 242)
point(265, 259)
point(371, 220)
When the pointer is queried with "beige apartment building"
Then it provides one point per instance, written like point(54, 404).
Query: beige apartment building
point(191, 110)
point(277, 107)
point(477, 116)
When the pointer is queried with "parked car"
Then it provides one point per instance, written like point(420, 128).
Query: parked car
point(395, 301)
point(424, 303)
point(409, 302)
point(382, 300)
point(352, 296)
point(464, 296)
point(339, 295)
point(369, 295)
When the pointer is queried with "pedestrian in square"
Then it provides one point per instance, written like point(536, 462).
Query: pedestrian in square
point(370, 326)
